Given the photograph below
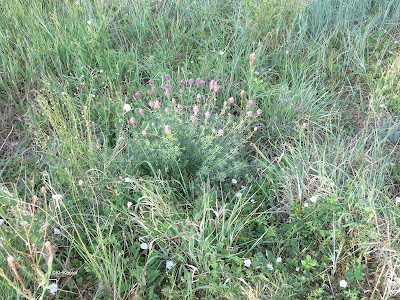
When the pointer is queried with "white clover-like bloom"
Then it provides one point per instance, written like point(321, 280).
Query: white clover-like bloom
point(169, 265)
point(57, 231)
point(247, 263)
point(80, 182)
point(397, 199)
point(57, 197)
point(297, 269)
point(126, 108)
point(1, 222)
point(253, 201)
point(53, 288)
point(23, 223)
point(343, 283)
point(77, 2)
point(144, 246)
point(279, 260)
point(89, 22)
point(306, 204)
point(128, 180)
point(313, 199)
point(234, 181)
point(129, 204)
point(221, 52)
point(239, 195)
point(270, 267)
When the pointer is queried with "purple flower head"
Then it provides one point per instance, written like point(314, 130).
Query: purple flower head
point(141, 111)
point(153, 89)
point(132, 120)
point(207, 115)
point(144, 132)
point(167, 86)
point(151, 82)
point(167, 77)
point(198, 80)
point(193, 118)
point(151, 103)
point(115, 126)
point(196, 109)
point(216, 88)
point(212, 84)
point(191, 81)
point(137, 94)
point(149, 92)
point(182, 82)
point(167, 129)
point(259, 111)
point(249, 113)
point(157, 104)
point(202, 82)
point(221, 132)
point(231, 100)
point(250, 103)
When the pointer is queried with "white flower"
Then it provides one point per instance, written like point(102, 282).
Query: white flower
point(126, 108)
point(129, 204)
point(313, 199)
point(343, 283)
point(239, 195)
point(306, 204)
point(80, 182)
point(89, 22)
point(279, 260)
point(397, 200)
point(128, 180)
point(297, 269)
point(169, 265)
point(1, 222)
point(382, 106)
point(23, 223)
point(221, 52)
point(270, 267)
point(396, 42)
point(77, 2)
point(144, 246)
point(287, 51)
point(253, 201)
point(53, 288)
point(57, 231)
point(57, 197)
point(247, 263)
point(234, 181)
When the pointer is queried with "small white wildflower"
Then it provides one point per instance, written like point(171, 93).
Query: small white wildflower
point(1, 222)
point(396, 42)
point(53, 288)
point(382, 106)
point(304, 272)
point(390, 52)
point(343, 283)
point(129, 204)
point(270, 267)
point(305, 125)
point(89, 22)
point(57, 197)
point(77, 2)
point(279, 260)
point(313, 199)
point(306, 204)
point(169, 265)
point(253, 201)
point(144, 246)
point(297, 269)
point(258, 267)
point(57, 231)
point(23, 223)
point(397, 200)
point(287, 51)
point(234, 181)
point(128, 180)
point(239, 195)
point(256, 73)
point(247, 263)
point(80, 182)
point(221, 52)
point(126, 108)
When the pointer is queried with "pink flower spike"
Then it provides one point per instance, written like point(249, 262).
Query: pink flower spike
point(182, 82)
point(193, 118)
point(144, 132)
point(151, 82)
point(151, 103)
point(216, 88)
point(167, 129)
point(191, 81)
point(153, 89)
point(207, 115)
point(231, 100)
point(137, 94)
point(132, 120)
point(221, 132)
point(157, 104)
point(250, 103)
point(141, 111)
point(196, 109)
point(259, 111)
point(249, 113)
point(167, 77)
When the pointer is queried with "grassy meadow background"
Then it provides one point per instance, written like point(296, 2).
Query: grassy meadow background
point(290, 192)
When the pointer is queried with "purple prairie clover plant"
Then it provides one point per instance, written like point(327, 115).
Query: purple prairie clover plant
point(137, 95)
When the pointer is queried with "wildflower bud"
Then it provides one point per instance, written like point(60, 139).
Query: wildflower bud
point(193, 118)
point(144, 132)
point(231, 100)
point(250, 103)
point(141, 111)
point(167, 77)
point(167, 86)
point(49, 247)
point(252, 57)
point(242, 94)
point(202, 82)
point(151, 82)
point(149, 92)
point(151, 104)
point(173, 101)
point(182, 82)
point(137, 94)
point(43, 189)
point(216, 88)
point(166, 109)
point(132, 120)
point(196, 109)
point(249, 114)
point(157, 104)
point(198, 96)
point(207, 115)
point(153, 89)
point(167, 93)
point(198, 80)
point(212, 84)
point(221, 132)
point(115, 126)
point(191, 81)
point(167, 129)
